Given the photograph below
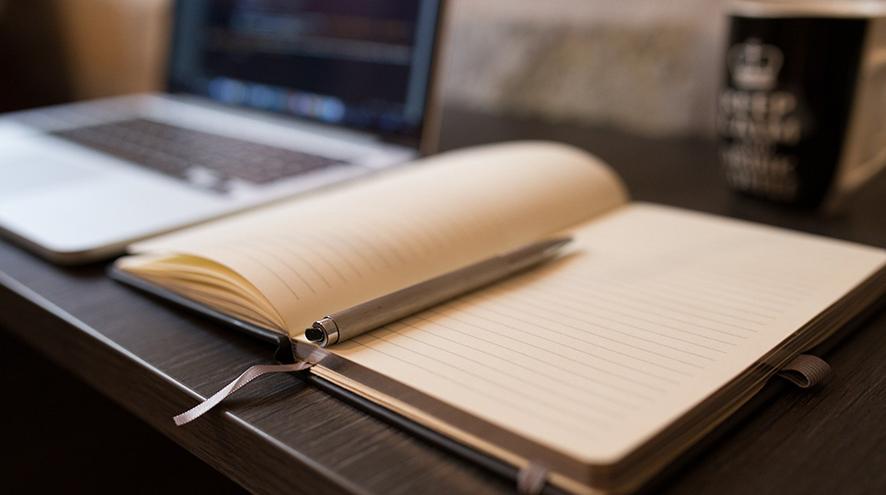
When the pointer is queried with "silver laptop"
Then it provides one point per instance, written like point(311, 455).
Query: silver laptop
point(266, 99)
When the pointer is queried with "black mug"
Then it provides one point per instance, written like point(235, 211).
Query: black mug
point(802, 110)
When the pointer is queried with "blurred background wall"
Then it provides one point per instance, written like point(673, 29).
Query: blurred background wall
point(645, 66)
point(113, 46)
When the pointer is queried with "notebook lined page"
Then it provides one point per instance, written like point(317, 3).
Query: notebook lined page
point(316, 255)
point(653, 310)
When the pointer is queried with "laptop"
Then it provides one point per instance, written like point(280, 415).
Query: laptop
point(265, 99)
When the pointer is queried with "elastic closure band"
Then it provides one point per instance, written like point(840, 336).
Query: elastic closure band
point(807, 371)
point(531, 479)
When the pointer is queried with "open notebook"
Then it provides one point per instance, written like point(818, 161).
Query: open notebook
point(602, 366)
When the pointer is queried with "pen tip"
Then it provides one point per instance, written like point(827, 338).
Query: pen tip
point(562, 241)
point(556, 243)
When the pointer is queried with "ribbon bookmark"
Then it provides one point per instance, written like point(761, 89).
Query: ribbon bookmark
point(247, 376)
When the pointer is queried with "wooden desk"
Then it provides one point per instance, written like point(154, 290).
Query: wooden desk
point(281, 435)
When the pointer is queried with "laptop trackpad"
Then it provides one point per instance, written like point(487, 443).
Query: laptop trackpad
point(68, 199)
point(32, 164)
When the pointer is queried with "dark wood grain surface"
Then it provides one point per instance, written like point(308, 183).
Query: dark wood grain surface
point(282, 435)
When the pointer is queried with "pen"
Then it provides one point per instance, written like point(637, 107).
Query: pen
point(369, 315)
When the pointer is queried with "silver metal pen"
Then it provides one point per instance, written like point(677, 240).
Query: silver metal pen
point(359, 319)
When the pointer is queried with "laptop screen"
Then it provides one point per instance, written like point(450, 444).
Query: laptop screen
point(358, 63)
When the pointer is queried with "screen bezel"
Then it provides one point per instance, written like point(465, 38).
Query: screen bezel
point(422, 137)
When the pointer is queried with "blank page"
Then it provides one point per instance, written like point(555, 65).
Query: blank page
point(652, 311)
point(312, 256)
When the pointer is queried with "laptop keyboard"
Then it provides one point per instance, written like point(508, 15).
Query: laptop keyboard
point(207, 160)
